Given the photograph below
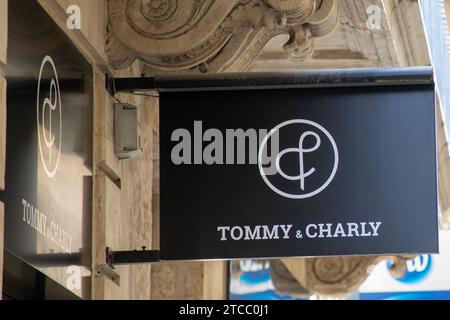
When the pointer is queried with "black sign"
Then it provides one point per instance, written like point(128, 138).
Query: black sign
point(49, 149)
point(317, 171)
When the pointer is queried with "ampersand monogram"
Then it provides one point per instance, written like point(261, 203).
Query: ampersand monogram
point(305, 169)
point(49, 117)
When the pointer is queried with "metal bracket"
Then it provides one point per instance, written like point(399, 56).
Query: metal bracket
point(273, 80)
point(114, 85)
point(114, 258)
point(107, 271)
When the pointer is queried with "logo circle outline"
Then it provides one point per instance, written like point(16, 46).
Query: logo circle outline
point(48, 59)
point(330, 178)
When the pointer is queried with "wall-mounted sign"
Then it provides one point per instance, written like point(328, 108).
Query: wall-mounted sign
point(317, 171)
point(49, 149)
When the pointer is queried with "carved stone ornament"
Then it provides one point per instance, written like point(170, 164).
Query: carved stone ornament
point(329, 276)
point(211, 35)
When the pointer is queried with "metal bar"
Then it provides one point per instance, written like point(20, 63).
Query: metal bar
point(49, 260)
point(114, 85)
point(297, 79)
point(131, 257)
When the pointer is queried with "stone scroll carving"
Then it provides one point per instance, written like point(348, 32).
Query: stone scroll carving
point(329, 276)
point(211, 35)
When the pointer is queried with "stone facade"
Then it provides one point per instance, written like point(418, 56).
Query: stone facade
point(212, 36)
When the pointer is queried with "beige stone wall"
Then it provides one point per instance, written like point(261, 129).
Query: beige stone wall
point(91, 38)
point(3, 54)
point(122, 216)
point(189, 280)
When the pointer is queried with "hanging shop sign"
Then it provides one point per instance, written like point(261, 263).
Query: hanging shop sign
point(342, 164)
point(49, 149)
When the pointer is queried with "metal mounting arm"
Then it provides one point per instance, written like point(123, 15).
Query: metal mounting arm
point(273, 80)
point(114, 258)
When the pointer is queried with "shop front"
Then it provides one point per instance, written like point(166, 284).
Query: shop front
point(49, 160)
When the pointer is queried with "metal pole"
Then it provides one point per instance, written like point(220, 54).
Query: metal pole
point(298, 79)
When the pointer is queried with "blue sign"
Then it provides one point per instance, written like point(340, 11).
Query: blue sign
point(416, 269)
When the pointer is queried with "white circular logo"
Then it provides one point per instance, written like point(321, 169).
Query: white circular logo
point(311, 132)
point(49, 116)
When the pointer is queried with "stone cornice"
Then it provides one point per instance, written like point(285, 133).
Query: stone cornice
point(211, 36)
